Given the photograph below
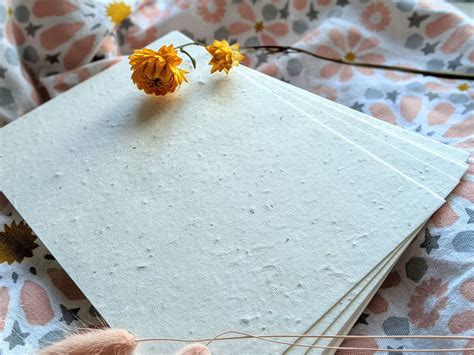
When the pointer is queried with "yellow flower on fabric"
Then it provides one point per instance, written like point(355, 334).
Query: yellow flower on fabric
point(350, 57)
point(118, 11)
point(463, 87)
point(157, 72)
point(224, 56)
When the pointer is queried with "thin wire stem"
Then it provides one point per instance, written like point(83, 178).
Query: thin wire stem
point(289, 49)
point(246, 336)
point(268, 338)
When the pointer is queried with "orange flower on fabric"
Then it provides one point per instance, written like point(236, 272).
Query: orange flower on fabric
point(224, 56)
point(157, 72)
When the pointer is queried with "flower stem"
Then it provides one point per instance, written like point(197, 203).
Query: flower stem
point(289, 49)
point(189, 44)
point(189, 56)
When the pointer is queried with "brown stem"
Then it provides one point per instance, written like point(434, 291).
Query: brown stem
point(191, 58)
point(189, 44)
point(439, 74)
point(288, 49)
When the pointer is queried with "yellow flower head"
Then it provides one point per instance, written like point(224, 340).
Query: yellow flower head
point(157, 72)
point(224, 56)
point(118, 11)
point(463, 87)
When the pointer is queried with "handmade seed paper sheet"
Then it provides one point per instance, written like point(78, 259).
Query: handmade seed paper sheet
point(409, 164)
point(431, 107)
point(198, 180)
point(440, 182)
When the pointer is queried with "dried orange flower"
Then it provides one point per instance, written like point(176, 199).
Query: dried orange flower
point(224, 56)
point(157, 72)
point(118, 11)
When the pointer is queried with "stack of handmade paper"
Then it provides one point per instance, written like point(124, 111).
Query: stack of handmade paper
point(237, 203)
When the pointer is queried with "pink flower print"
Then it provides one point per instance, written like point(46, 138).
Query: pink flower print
point(13, 32)
point(457, 86)
point(108, 47)
point(148, 9)
point(358, 343)
point(383, 112)
point(149, 13)
point(400, 76)
point(468, 143)
point(59, 83)
point(325, 91)
point(264, 31)
point(426, 305)
point(435, 6)
point(376, 16)
point(464, 321)
point(451, 23)
point(310, 36)
point(301, 4)
point(270, 69)
point(350, 48)
point(62, 33)
point(440, 113)
point(409, 108)
point(141, 38)
point(211, 11)
point(465, 189)
point(445, 216)
point(4, 302)
point(462, 129)
point(378, 304)
point(35, 303)
point(50, 8)
point(182, 4)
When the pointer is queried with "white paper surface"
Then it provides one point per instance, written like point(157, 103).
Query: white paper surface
point(416, 169)
point(343, 312)
point(185, 215)
point(410, 165)
point(423, 148)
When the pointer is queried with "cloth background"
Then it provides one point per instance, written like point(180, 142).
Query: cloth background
point(48, 46)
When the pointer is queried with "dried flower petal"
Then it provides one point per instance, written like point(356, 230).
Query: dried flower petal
point(224, 56)
point(157, 72)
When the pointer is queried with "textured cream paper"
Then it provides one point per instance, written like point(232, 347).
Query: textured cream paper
point(411, 138)
point(423, 148)
point(414, 168)
point(157, 153)
point(406, 162)
point(343, 315)
point(343, 312)
point(344, 319)
point(440, 186)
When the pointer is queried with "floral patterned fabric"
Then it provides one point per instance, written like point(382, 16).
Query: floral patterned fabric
point(48, 46)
